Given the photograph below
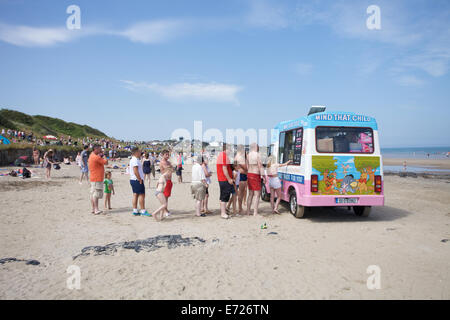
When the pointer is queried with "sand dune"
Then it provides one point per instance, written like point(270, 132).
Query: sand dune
point(323, 256)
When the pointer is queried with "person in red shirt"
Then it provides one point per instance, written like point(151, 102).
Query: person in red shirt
point(225, 177)
point(96, 165)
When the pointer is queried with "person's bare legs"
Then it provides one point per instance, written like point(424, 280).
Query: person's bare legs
point(92, 204)
point(249, 201)
point(205, 204)
point(234, 202)
point(94, 201)
point(278, 192)
point(272, 199)
point(160, 211)
point(166, 210)
point(135, 201)
point(241, 196)
point(223, 209)
point(142, 201)
point(108, 196)
point(245, 193)
point(256, 203)
point(230, 202)
point(198, 204)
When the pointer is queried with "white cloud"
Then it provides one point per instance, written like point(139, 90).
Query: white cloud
point(31, 36)
point(197, 91)
point(154, 31)
point(148, 32)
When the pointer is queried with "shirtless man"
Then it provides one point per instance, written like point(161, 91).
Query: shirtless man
point(255, 172)
point(241, 162)
point(163, 165)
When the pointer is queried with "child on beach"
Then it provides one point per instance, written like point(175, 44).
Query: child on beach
point(109, 188)
point(234, 192)
point(159, 193)
point(274, 182)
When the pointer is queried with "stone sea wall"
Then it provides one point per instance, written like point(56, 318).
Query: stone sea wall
point(9, 155)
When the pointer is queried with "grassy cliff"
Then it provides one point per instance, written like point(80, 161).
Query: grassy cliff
point(42, 125)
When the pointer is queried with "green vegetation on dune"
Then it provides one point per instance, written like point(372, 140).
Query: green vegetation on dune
point(42, 125)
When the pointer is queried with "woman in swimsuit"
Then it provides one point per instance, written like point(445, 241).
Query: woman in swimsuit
point(159, 193)
point(48, 162)
point(146, 167)
point(274, 182)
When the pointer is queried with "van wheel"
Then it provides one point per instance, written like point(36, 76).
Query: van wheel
point(362, 211)
point(296, 210)
point(264, 195)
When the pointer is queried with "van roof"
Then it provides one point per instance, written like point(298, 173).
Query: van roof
point(329, 118)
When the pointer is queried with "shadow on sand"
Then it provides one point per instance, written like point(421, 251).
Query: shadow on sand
point(340, 214)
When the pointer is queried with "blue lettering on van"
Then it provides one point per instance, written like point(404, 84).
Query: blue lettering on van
point(291, 177)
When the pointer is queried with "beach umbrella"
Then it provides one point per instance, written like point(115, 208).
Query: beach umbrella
point(50, 137)
point(4, 140)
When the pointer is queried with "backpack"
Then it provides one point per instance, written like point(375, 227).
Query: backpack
point(26, 173)
point(56, 166)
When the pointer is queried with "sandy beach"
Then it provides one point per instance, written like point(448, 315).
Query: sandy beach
point(323, 256)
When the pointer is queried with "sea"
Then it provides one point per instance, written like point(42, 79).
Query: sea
point(417, 153)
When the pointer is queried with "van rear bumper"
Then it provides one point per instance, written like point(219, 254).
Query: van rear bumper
point(330, 201)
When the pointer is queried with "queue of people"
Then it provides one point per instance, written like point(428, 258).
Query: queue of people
point(239, 175)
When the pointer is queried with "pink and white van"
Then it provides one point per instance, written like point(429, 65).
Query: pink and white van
point(336, 161)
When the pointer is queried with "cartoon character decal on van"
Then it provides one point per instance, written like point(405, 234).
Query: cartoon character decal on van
point(345, 175)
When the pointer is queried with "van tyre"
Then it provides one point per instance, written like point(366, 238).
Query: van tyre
point(264, 195)
point(362, 211)
point(296, 210)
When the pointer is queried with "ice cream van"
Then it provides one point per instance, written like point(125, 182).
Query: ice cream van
point(336, 162)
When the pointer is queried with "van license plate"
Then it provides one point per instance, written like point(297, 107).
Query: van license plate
point(346, 200)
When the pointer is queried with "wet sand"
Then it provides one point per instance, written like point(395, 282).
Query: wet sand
point(425, 163)
point(323, 256)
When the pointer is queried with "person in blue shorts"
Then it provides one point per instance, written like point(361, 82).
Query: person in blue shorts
point(137, 183)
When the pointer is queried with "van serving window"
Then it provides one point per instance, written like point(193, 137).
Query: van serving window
point(344, 140)
point(290, 146)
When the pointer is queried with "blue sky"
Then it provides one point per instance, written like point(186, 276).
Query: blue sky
point(141, 69)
